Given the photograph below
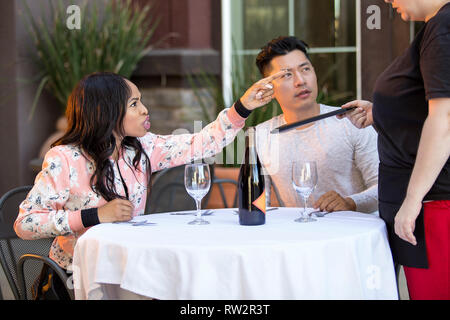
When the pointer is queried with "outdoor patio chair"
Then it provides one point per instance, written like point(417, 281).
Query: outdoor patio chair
point(22, 260)
point(169, 194)
point(219, 183)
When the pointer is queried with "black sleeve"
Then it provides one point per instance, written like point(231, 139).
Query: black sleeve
point(435, 67)
point(89, 217)
point(241, 110)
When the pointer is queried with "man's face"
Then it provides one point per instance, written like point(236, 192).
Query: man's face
point(297, 89)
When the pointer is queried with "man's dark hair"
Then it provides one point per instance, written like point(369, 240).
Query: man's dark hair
point(279, 47)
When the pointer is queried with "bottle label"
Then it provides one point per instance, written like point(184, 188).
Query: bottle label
point(260, 202)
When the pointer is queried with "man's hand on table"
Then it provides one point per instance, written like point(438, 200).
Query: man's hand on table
point(333, 201)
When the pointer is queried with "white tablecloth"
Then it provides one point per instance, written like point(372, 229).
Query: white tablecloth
point(344, 255)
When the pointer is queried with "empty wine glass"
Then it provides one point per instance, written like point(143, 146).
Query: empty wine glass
point(197, 181)
point(304, 180)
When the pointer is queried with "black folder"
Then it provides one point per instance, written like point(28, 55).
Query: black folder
point(290, 126)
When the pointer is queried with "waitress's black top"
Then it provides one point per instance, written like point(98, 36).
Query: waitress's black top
point(400, 108)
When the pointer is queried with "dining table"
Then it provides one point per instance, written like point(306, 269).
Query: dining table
point(342, 255)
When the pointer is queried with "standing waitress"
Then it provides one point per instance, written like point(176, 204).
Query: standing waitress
point(411, 113)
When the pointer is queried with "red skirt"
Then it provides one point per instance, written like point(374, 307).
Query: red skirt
point(433, 283)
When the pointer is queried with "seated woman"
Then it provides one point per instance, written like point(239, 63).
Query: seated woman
point(99, 171)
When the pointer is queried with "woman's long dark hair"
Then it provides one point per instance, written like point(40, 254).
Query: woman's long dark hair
point(96, 108)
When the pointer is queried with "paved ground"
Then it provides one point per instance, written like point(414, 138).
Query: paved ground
point(6, 291)
point(404, 295)
point(7, 294)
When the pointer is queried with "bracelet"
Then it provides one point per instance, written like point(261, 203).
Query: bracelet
point(241, 110)
point(89, 217)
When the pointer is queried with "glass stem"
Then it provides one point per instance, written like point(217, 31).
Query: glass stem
point(305, 199)
point(198, 203)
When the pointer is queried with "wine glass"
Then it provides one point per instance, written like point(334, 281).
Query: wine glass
point(197, 181)
point(304, 180)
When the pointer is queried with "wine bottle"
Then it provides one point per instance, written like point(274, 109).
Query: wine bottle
point(252, 196)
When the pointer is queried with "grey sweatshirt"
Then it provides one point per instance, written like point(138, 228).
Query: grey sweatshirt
point(347, 160)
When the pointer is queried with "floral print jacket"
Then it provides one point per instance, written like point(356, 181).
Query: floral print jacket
point(62, 189)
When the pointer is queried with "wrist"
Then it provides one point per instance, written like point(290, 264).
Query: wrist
point(241, 109)
point(89, 217)
point(412, 197)
point(351, 203)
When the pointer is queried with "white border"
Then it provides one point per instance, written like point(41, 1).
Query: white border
point(226, 53)
point(358, 51)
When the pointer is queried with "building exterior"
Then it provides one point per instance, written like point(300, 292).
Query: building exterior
point(351, 42)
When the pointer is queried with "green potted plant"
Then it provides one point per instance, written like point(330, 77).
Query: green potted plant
point(113, 39)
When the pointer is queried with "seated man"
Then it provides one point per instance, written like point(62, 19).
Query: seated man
point(347, 158)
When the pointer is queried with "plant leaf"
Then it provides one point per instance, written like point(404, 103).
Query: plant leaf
point(37, 95)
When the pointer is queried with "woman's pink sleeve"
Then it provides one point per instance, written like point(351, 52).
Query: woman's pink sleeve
point(174, 150)
point(42, 214)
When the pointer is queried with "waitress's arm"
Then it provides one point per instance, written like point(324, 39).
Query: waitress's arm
point(432, 154)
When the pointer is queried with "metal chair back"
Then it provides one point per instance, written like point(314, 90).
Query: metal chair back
point(219, 183)
point(13, 248)
point(169, 194)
